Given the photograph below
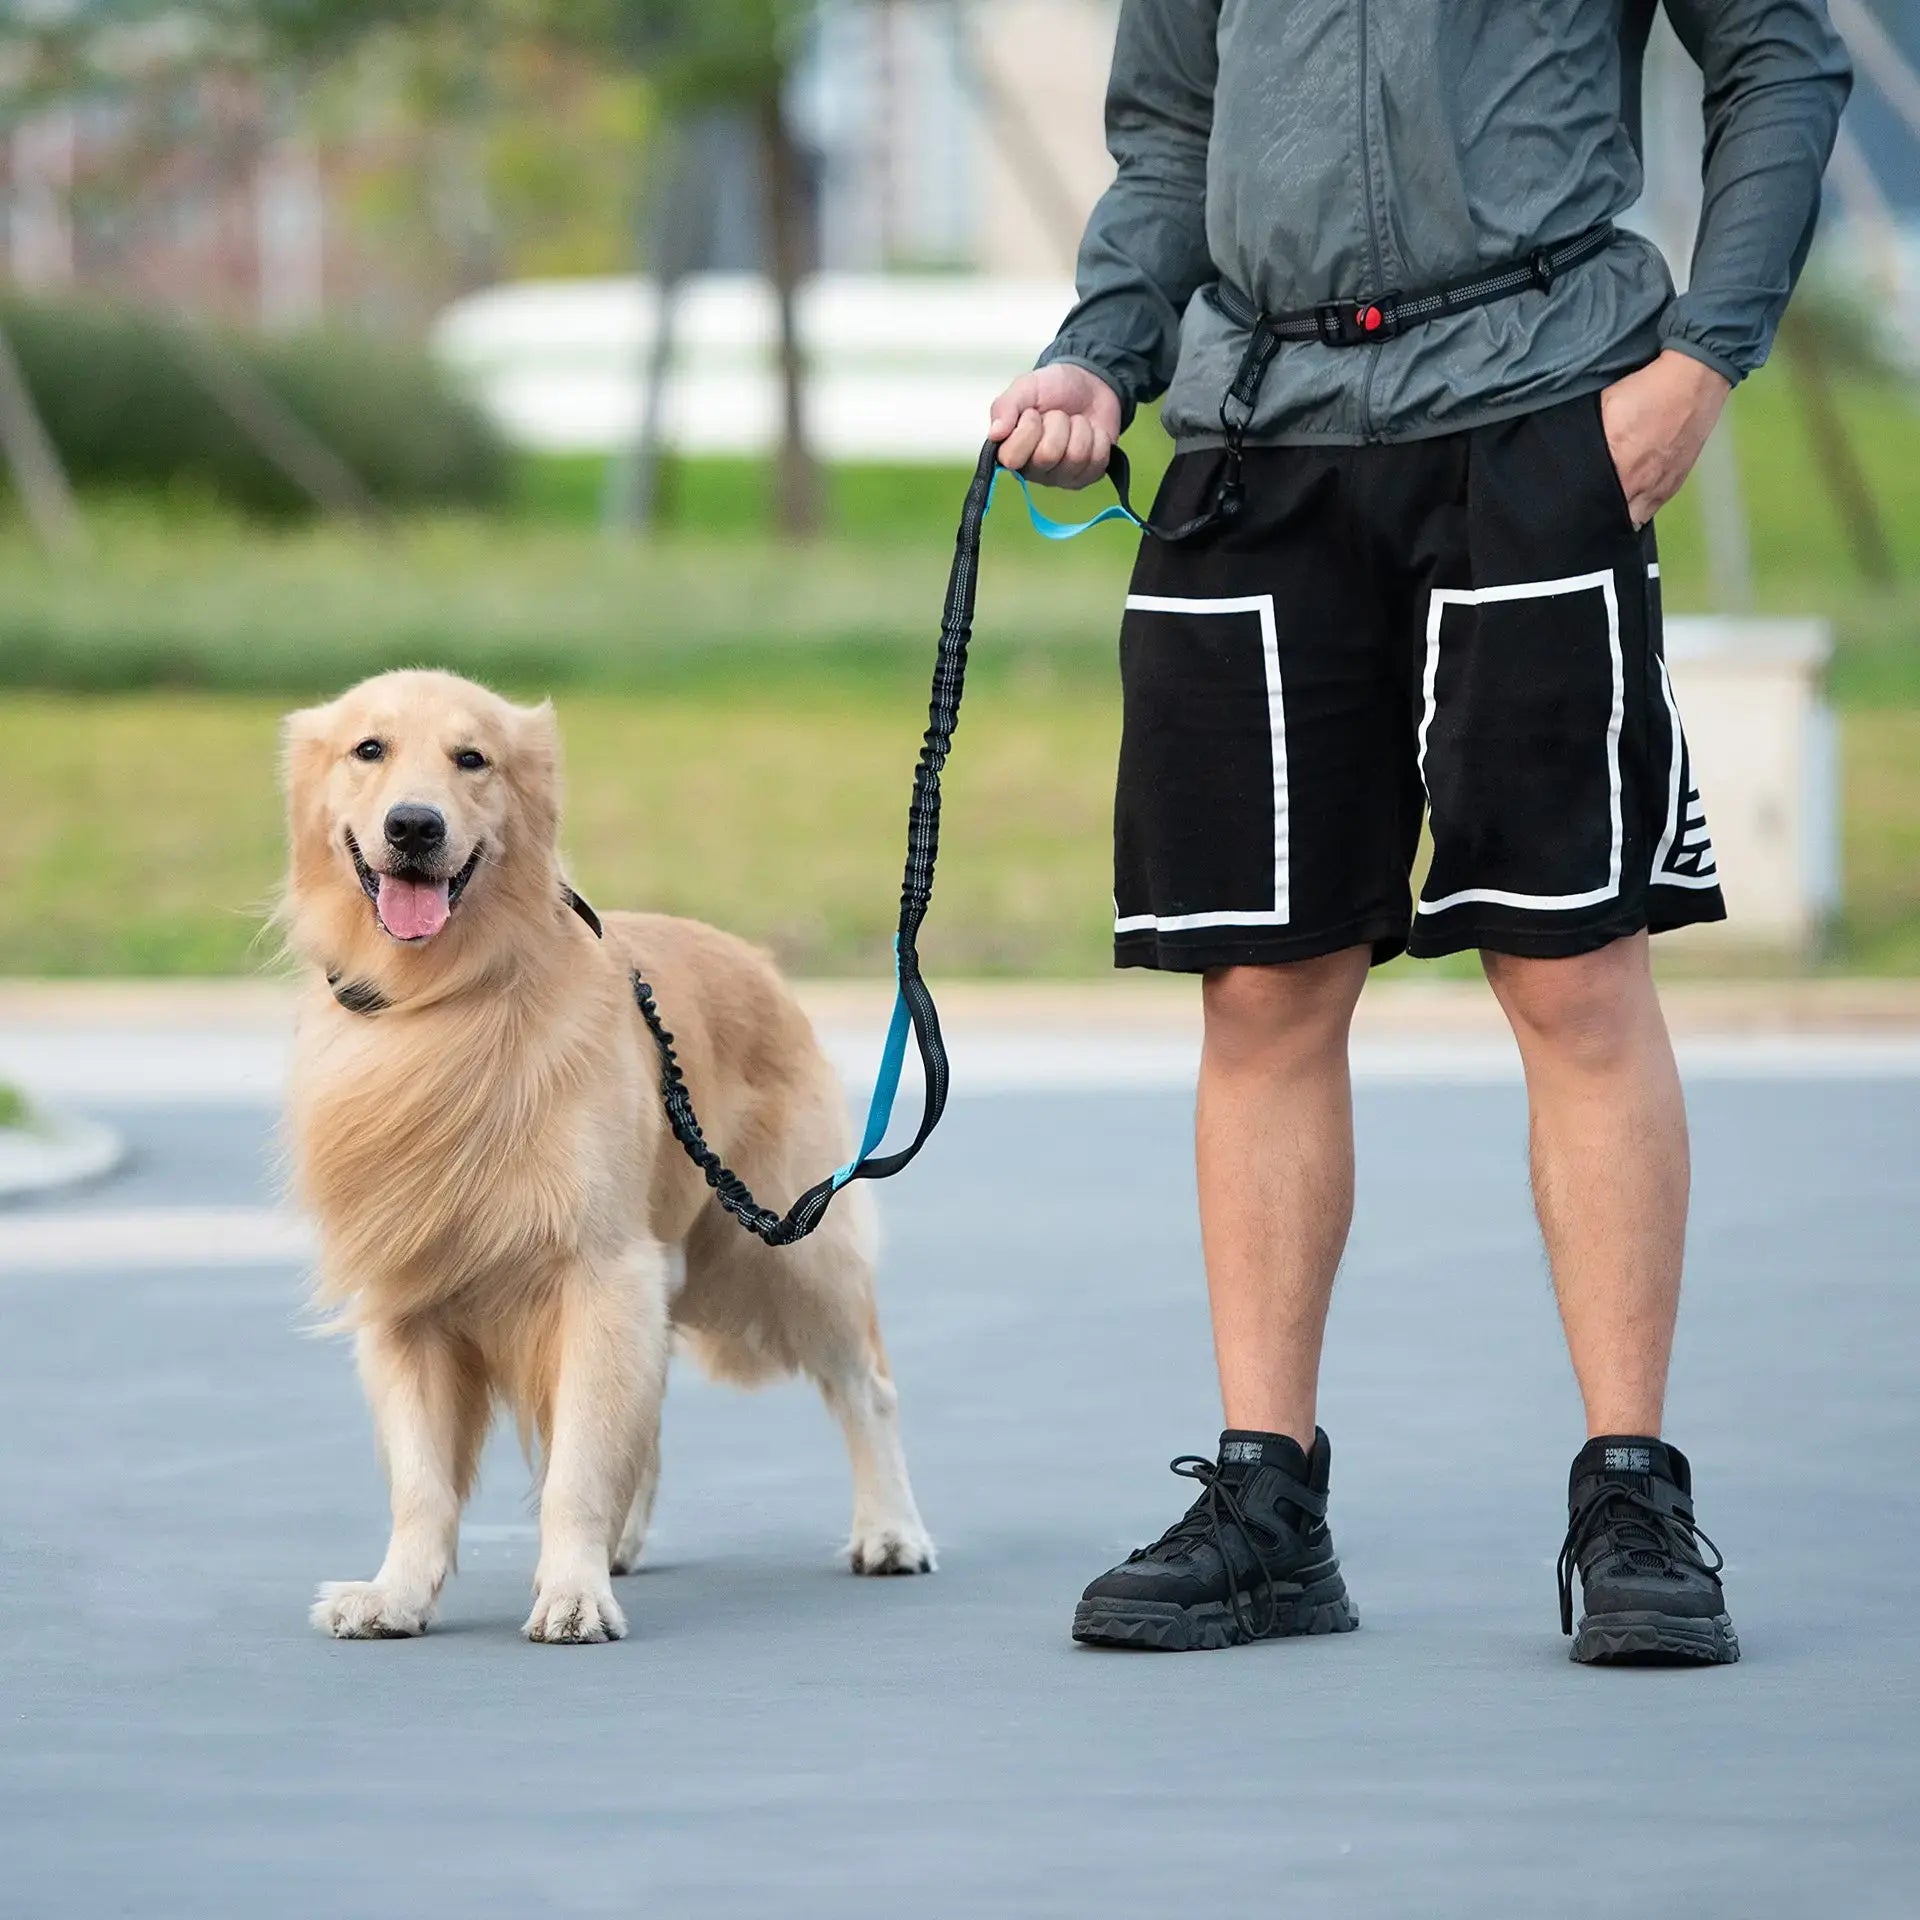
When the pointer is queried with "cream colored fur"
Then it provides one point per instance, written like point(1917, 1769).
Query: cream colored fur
point(504, 1216)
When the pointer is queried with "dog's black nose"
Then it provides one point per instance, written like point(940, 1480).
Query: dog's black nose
point(415, 831)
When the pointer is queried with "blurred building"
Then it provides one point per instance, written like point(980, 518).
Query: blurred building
point(958, 133)
point(943, 135)
point(940, 136)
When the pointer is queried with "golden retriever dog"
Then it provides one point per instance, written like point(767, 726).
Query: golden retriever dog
point(504, 1217)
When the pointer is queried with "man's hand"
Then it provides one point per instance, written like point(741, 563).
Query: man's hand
point(1656, 422)
point(1059, 424)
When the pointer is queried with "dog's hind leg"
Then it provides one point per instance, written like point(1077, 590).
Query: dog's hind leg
point(888, 1535)
point(430, 1404)
point(752, 1313)
point(606, 1374)
point(633, 1530)
point(845, 1355)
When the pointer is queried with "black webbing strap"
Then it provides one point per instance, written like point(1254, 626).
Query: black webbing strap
point(1362, 321)
point(914, 1004)
point(1358, 323)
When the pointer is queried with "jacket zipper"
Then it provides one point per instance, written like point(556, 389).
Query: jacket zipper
point(1373, 225)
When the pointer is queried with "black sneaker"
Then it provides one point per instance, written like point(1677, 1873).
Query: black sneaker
point(1252, 1559)
point(1650, 1596)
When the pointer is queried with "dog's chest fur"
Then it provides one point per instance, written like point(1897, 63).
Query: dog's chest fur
point(444, 1151)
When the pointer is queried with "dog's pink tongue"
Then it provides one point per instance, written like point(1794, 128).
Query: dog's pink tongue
point(412, 909)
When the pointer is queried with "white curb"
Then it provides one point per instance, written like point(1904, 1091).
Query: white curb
point(55, 1151)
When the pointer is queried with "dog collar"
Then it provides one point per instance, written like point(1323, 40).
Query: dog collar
point(585, 912)
point(362, 996)
point(358, 996)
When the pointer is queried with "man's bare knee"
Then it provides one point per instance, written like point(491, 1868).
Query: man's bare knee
point(1303, 1007)
point(1587, 1010)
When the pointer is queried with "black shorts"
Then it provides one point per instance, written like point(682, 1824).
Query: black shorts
point(1466, 626)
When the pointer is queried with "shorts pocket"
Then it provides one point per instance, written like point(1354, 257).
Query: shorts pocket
point(1616, 494)
point(1201, 827)
point(1524, 699)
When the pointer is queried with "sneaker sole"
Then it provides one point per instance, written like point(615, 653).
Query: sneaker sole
point(1650, 1639)
point(1162, 1626)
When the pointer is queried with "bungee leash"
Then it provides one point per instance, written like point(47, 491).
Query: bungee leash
point(914, 1012)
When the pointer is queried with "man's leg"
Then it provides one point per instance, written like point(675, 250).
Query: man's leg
point(1273, 1140)
point(1610, 1171)
point(1610, 1182)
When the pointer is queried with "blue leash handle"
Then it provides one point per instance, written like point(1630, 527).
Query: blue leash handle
point(1050, 529)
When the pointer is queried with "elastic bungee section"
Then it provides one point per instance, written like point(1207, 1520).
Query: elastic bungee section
point(914, 1012)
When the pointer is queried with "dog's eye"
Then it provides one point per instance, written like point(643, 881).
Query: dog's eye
point(469, 760)
point(370, 750)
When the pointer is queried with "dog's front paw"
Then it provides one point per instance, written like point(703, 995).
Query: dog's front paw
point(363, 1610)
point(891, 1547)
point(575, 1616)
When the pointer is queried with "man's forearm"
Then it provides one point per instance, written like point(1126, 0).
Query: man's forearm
point(1776, 77)
point(1145, 250)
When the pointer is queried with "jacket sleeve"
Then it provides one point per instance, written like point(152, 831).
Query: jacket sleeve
point(1145, 250)
point(1776, 78)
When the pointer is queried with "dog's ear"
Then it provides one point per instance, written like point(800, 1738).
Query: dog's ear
point(303, 738)
point(538, 724)
point(303, 767)
point(534, 768)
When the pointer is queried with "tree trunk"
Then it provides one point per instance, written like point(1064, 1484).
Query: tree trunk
point(637, 496)
point(1833, 449)
point(38, 477)
point(277, 432)
point(785, 219)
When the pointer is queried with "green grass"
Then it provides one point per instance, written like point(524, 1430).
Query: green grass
point(741, 715)
point(732, 497)
point(144, 833)
point(1880, 926)
point(543, 600)
point(14, 1112)
point(173, 603)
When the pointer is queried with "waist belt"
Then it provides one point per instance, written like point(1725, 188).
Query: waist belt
point(1360, 323)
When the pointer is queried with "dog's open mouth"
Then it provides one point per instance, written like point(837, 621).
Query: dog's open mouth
point(411, 906)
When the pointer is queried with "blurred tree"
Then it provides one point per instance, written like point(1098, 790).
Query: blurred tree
point(698, 57)
point(705, 56)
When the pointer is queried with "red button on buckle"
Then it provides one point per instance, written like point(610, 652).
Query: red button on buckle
point(1370, 319)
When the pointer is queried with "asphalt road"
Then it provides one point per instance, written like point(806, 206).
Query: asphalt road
point(779, 1739)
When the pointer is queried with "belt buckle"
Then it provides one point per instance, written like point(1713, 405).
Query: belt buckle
point(1354, 323)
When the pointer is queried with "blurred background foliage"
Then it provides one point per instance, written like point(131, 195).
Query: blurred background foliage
point(121, 394)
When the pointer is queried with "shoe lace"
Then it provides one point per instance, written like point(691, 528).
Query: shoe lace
point(1206, 1523)
point(1667, 1540)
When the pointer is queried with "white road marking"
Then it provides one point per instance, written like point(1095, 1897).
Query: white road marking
point(212, 1238)
point(1108, 1063)
point(131, 1070)
point(149, 1238)
point(145, 1069)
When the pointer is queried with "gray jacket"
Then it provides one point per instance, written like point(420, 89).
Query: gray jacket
point(1308, 150)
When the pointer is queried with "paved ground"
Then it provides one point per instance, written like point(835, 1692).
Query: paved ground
point(779, 1739)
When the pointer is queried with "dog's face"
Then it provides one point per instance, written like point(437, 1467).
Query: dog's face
point(411, 797)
